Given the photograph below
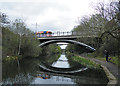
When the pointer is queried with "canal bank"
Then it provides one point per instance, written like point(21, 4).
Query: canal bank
point(110, 69)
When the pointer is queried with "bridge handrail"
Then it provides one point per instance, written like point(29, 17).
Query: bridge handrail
point(74, 33)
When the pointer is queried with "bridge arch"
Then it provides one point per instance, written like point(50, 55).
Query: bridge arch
point(91, 49)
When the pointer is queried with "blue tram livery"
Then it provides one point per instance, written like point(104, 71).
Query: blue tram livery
point(44, 34)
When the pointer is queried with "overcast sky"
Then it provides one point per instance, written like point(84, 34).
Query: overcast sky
point(52, 15)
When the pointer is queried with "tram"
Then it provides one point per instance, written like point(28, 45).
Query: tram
point(41, 34)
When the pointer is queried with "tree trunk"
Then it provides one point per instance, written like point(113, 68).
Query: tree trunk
point(19, 46)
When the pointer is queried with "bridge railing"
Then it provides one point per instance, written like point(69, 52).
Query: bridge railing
point(73, 33)
point(61, 33)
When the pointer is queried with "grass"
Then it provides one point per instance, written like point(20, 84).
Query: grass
point(86, 62)
point(113, 59)
point(101, 58)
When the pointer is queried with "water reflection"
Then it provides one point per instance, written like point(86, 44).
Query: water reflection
point(44, 78)
point(31, 73)
point(62, 62)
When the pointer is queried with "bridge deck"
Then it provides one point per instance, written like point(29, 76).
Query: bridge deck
point(65, 37)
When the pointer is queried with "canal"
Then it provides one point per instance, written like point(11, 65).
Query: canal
point(31, 71)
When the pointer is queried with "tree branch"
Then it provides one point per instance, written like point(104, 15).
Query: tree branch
point(108, 32)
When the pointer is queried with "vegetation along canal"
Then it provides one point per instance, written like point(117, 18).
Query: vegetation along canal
point(31, 51)
point(30, 71)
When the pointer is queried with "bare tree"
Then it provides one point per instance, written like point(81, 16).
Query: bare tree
point(110, 13)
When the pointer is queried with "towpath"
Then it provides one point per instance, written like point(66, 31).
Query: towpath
point(114, 69)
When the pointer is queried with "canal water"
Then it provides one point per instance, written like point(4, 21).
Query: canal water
point(62, 62)
point(30, 73)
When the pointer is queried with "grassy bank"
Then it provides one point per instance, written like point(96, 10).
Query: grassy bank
point(112, 59)
point(86, 62)
point(81, 60)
